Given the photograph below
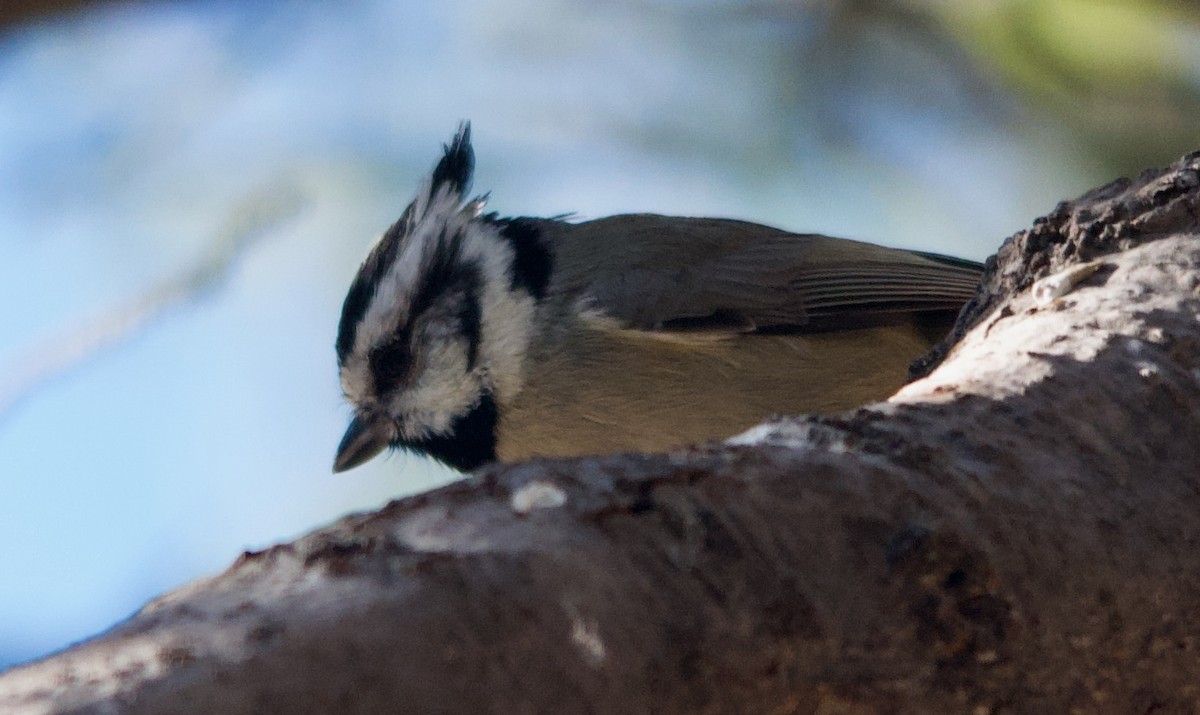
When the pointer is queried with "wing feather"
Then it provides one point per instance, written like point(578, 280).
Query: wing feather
point(690, 274)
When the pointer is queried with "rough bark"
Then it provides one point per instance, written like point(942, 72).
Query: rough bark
point(1016, 532)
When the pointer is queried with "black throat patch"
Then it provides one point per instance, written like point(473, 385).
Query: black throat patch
point(470, 443)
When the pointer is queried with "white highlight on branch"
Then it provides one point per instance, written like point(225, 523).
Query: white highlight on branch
point(586, 637)
point(1051, 288)
point(537, 495)
point(783, 434)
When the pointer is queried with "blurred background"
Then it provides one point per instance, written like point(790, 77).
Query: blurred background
point(187, 188)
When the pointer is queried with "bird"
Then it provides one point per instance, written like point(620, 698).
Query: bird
point(476, 338)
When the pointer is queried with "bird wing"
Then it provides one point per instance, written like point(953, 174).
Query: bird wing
point(718, 275)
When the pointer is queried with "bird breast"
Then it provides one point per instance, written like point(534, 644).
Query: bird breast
point(614, 390)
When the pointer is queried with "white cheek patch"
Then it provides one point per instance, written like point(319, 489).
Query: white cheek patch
point(507, 331)
point(507, 325)
point(444, 391)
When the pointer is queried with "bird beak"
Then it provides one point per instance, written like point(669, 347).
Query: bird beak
point(366, 437)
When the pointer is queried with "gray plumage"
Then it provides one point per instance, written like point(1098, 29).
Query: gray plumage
point(684, 273)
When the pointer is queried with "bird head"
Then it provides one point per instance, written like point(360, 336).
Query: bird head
point(436, 324)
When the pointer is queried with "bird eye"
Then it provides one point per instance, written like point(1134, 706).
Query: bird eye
point(390, 364)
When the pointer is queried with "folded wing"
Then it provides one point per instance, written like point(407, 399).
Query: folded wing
point(718, 275)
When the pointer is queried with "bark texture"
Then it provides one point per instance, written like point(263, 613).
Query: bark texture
point(1016, 532)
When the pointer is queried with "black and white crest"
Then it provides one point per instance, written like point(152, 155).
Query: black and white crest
point(451, 178)
point(436, 323)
